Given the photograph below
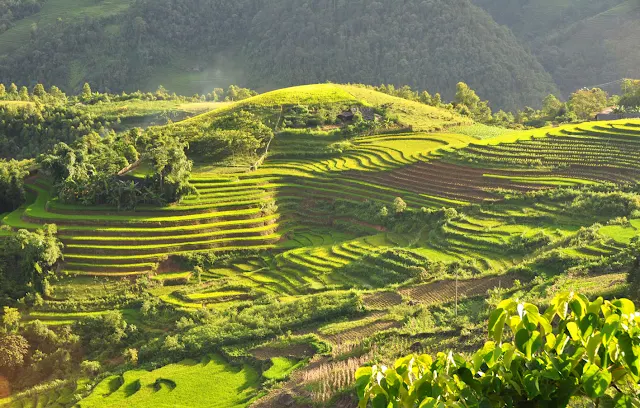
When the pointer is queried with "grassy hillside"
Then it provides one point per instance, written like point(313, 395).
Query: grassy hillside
point(191, 46)
point(277, 283)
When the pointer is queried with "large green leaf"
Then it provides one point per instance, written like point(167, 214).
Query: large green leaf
point(626, 401)
point(522, 338)
point(629, 354)
point(574, 331)
point(496, 324)
point(594, 307)
point(595, 380)
point(531, 384)
point(625, 305)
point(534, 344)
point(610, 326)
point(593, 344)
point(588, 324)
point(363, 378)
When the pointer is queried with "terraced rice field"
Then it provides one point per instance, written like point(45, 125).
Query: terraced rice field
point(225, 215)
point(264, 209)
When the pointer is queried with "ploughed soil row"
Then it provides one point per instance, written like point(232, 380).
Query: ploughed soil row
point(445, 291)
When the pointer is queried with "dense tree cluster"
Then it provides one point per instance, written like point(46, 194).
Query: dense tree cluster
point(630, 93)
point(582, 105)
point(12, 193)
point(88, 173)
point(26, 131)
point(30, 354)
point(13, 10)
point(27, 261)
point(239, 134)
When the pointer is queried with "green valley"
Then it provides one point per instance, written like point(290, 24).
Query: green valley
point(244, 249)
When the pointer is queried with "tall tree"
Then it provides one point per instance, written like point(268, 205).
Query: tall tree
point(587, 102)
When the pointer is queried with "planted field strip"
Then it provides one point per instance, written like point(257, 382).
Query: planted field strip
point(66, 318)
point(302, 350)
point(370, 153)
point(382, 300)
point(100, 241)
point(588, 151)
point(350, 189)
point(452, 181)
point(600, 285)
point(359, 333)
point(445, 291)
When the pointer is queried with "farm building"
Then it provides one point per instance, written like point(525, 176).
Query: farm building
point(611, 114)
point(367, 114)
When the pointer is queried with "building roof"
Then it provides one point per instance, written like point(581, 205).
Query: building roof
point(607, 111)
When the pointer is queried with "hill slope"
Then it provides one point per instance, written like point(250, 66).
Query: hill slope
point(580, 42)
point(400, 240)
point(193, 46)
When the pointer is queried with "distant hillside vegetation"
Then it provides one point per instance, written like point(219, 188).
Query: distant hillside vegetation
point(580, 42)
point(193, 46)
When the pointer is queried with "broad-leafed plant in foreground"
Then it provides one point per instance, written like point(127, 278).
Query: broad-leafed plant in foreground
point(576, 348)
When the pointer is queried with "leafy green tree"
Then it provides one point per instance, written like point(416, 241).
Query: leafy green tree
point(29, 259)
point(131, 356)
point(105, 332)
point(3, 91)
point(23, 95)
point(39, 91)
point(399, 205)
point(426, 98)
point(468, 103)
point(551, 106)
point(12, 193)
point(10, 319)
point(13, 90)
point(171, 166)
point(630, 93)
point(197, 272)
point(576, 348)
point(86, 91)
point(59, 164)
point(466, 96)
point(13, 349)
point(57, 94)
point(436, 100)
point(587, 102)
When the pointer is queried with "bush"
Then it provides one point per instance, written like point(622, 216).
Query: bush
point(611, 204)
point(577, 348)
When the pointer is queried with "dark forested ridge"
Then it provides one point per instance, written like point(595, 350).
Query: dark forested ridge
point(581, 43)
point(512, 52)
point(267, 44)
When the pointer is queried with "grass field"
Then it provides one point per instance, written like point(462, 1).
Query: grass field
point(186, 384)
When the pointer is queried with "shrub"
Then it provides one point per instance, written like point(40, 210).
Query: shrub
point(576, 348)
point(90, 368)
point(399, 205)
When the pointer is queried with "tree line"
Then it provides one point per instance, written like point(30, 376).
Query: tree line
point(581, 105)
